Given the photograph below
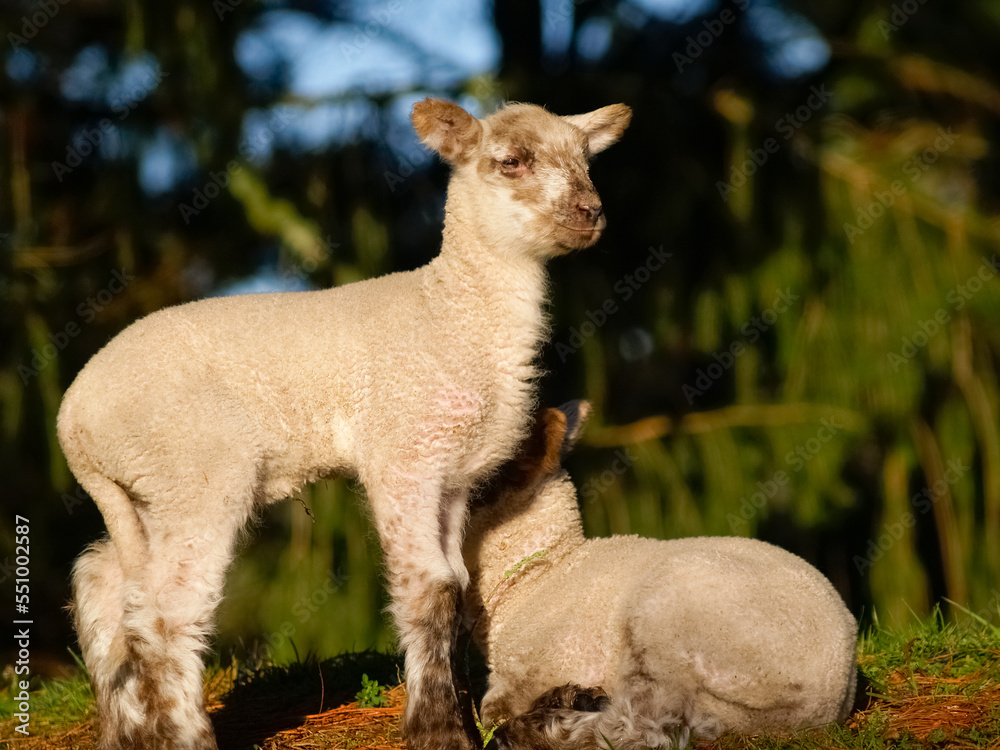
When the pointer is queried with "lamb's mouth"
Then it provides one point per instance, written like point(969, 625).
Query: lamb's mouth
point(580, 239)
point(597, 226)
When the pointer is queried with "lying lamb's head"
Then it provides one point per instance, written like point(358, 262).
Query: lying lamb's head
point(531, 498)
point(521, 174)
point(530, 507)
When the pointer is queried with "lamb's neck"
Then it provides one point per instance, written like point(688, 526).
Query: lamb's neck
point(527, 537)
point(495, 292)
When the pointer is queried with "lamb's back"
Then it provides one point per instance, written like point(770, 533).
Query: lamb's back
point(763, 635)
point(716, 621)
point(286, 372)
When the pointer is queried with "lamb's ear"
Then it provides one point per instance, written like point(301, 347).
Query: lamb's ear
point(603, 126)
point(554, 426)
point(446, 128)
point(539, 456)
point(576, 414)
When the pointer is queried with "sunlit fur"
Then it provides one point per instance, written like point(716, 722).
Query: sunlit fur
point(689, 637)
point(419, 384)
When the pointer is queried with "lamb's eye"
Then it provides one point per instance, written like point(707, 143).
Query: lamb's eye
point(515, 167)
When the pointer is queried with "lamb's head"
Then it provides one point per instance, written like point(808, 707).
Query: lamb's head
point(521, 174)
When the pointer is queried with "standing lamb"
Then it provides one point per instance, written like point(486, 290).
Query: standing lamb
point(690, 637)
point(418, 384)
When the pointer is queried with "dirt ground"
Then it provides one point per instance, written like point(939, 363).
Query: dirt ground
point(915, 711)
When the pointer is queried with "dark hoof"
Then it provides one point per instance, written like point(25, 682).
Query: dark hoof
point(591, 699)
point(572, 697)
point(548, 723)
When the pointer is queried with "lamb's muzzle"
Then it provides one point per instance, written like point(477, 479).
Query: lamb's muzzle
point(419, 384)
point(593, 213)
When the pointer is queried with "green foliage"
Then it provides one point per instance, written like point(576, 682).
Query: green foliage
point(54, 702)
point(891, 337)
point(370, 695)
point(921, 661)
point(934, 648)
point(309, 583)
point(915, 664)
point(484, 733)
point(305, 681)
point(875, 215)
point(524, 562)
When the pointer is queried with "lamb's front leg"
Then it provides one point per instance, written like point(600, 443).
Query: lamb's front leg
point(416, 529)
point(563, 717)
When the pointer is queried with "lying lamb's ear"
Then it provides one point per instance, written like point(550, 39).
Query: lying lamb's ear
point(446, 128)
point(603, 126)
point(555, 426)
point(576, 414)
point(539, 455)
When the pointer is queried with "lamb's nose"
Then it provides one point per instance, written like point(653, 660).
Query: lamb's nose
point(593, 211)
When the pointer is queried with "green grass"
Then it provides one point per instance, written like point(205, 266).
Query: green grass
point(336, 680)
point(55, 703)
point(933, 648)
point(371, 694)
point(933, 684)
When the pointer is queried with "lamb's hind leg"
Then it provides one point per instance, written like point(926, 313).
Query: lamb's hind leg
point(97, 615)
point(144, 605)
point(169, 614)
point(426, 592)
point(99, 584)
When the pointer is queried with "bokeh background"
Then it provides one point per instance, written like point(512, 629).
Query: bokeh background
point(789, 329)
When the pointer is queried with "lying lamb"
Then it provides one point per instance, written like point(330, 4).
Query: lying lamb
point(690, 637)
point(419, 384)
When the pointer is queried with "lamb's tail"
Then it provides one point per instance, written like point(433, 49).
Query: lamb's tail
point(123, 523)
point(101, 574)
